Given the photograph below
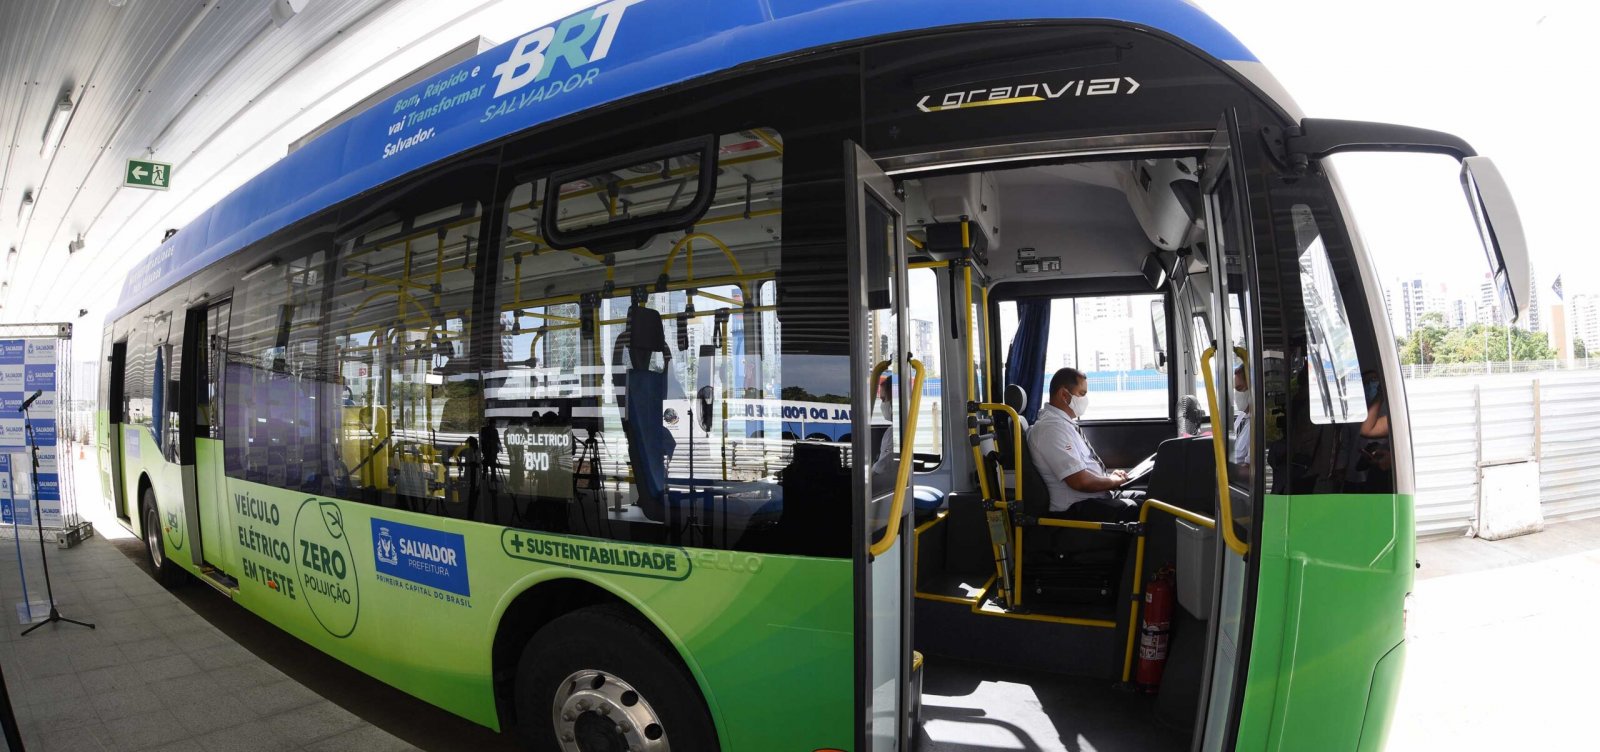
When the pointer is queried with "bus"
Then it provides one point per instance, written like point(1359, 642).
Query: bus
point(586, 389)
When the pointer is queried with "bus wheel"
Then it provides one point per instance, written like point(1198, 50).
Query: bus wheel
point(166, 571)
point(595, 680)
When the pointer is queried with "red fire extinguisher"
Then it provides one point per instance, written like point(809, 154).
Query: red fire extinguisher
point(1154, 632)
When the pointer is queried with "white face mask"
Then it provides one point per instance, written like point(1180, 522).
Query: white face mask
point(1241, 400)
point(1079, 404)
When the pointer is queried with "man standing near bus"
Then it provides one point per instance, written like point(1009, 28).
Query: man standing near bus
point(1080, 487)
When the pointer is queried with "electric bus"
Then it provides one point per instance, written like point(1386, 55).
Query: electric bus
point(586, 388)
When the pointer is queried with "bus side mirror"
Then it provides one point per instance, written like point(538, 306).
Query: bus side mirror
point(1500, 229)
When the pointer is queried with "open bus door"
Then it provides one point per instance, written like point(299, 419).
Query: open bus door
point(876, 231)
point(200, 395)
point(1230, 250)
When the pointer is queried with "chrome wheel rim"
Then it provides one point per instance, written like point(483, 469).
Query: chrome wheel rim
point(152, 537)
point(594, 711)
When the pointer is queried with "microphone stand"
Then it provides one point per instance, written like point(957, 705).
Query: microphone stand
point(38, 519)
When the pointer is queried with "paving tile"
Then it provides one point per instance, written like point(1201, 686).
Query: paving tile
point(362, 739)
point(211, 715)
point(51, 690)
point(187, 745)
point(276, 697)
point(110, 706)
point(82, 736)
point(301, 726)
point(219, 656)
point(252, 736)
point(246, 675)
point(169, 667)
point(36, 662)
point(154, 647)
point(95, 657)
point(147, 729)
point(192, 690)
point(133, 630)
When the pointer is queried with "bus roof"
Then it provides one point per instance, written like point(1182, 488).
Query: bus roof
point(602, 54)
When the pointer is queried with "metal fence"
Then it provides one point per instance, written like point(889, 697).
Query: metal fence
point(1489, 368)
point(1461, 424)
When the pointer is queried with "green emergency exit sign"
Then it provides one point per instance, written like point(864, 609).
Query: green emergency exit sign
point(142, 174)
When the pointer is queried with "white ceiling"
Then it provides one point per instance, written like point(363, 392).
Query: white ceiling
point(217, 89)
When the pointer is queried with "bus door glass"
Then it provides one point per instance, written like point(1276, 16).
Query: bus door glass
point(1234, 371)
point(880, 334)
point(207, 338)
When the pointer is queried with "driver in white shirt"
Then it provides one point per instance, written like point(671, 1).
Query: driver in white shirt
point(1080, 487)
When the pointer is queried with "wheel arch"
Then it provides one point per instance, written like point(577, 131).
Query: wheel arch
point(540, 599)
point(143, 485)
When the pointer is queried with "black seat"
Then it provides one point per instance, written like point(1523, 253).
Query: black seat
point(1185, 475)
point(1016, 399)
point(1067, 565)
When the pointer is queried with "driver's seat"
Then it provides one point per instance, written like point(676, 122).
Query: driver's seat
point(1064, 565)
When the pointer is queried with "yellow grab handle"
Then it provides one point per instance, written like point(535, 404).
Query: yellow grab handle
point(1016, 440)
point(1219, 436)
point(908, 443)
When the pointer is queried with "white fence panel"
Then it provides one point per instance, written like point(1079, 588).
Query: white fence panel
point(1459, 423)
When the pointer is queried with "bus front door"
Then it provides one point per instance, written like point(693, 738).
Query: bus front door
point(876, 231)
point(204, 341)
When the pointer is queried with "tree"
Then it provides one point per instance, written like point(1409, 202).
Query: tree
point(1579, 350)
point(1482, 342)
point(1421, 347)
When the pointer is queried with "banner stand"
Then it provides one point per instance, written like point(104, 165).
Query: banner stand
point(37, 359)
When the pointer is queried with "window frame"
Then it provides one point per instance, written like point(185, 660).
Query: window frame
point(1064, 289)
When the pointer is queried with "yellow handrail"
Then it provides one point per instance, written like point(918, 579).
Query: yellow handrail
point(1220, 456)
point(1138, 566)
point(1016, 441)
point(908, 443)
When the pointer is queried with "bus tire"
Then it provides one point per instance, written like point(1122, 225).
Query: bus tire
point(165, 570)
point(599, 675)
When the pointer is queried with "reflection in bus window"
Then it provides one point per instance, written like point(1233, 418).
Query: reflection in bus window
point(669, 392)
point(1332, 366)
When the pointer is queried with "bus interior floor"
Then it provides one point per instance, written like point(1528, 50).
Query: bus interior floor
point(977, 707)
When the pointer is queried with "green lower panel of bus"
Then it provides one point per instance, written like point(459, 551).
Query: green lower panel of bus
point(1335, 570)
point(415, 600)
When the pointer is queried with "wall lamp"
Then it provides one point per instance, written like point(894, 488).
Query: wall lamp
point(27, 207)
point(76, 244)
point(59, 116)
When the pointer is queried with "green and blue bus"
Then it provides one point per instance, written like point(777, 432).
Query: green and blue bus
point(586, 389)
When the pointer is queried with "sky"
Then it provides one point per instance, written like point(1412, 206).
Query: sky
point(1507, 77)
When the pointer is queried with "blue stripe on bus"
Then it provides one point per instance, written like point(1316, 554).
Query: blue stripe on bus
point(657, 43)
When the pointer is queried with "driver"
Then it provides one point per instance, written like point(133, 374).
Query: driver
point(1080, 487)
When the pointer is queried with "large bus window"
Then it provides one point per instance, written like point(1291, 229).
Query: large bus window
point(409, 401)
point(275, 431)
point(138, 375)
point(1109, 338)
point(679, 390)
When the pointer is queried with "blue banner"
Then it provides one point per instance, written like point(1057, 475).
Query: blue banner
point(427, 557)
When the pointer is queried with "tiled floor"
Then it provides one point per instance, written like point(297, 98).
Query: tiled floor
point(152, 674)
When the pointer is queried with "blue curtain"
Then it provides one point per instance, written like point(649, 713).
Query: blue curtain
point(1025, 358)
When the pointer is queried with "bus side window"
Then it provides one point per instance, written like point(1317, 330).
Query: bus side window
point(406, 397)
point(655, 390)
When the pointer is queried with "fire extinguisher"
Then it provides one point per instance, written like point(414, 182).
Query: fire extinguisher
point(1154, 632)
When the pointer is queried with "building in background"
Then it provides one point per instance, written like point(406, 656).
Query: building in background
point(1488, 302)
point(1533, 322)
point(1584, 310)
